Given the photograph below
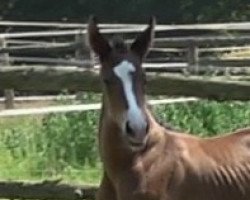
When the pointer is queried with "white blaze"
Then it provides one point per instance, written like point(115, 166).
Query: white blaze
point(134, 114)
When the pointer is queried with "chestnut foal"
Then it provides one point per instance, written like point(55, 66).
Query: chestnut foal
point(144, 161)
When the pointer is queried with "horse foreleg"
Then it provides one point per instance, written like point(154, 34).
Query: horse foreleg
point(106, 190)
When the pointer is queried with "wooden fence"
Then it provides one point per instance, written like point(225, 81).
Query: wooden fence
point(64, 45)
point(184, 49)
point(53, 190)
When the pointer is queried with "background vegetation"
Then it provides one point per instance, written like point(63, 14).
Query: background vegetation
point(64, 145)
point(167, 11)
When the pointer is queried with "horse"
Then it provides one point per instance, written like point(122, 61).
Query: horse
point(143, 160)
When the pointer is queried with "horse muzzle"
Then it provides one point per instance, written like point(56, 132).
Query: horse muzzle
point(137, 134)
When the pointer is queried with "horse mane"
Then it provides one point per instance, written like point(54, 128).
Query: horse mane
point(167, 126)
point(163, 123)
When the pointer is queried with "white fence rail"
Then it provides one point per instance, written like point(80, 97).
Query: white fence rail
point(79, 108)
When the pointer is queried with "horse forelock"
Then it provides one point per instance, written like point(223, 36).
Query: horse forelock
point(117, 44)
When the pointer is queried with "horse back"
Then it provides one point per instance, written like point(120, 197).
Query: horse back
point(213, 168)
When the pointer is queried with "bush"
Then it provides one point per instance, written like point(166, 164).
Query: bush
point(206, 118)
point(53, 145)
point(69, 139)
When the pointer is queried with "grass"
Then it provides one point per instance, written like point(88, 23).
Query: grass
point(55, 146)
point(64, 145)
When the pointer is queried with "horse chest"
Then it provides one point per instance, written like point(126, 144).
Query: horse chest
point(153, 179)
point(143, 187)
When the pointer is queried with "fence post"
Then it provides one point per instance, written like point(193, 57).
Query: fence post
point(193, 58)
point(83, 52)
point(8, 93)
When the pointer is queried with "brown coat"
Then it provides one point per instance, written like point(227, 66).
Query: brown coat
point(175, 166)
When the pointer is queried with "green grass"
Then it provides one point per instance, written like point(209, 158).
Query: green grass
point(64, 145)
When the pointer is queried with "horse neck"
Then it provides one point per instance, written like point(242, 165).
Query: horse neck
point(115, 153)
point(112, 149)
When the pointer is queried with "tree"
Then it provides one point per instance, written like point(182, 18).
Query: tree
point(166, 11)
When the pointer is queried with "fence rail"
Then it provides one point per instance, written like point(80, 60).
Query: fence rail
point(75, 79)
point(42, 98)
point(209, 26)
point(80, 108)
point(53, 190)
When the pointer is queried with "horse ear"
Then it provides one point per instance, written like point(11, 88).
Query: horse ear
point(142, 43)
point(96, 41)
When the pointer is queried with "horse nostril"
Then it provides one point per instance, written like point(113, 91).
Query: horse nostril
point(129, 130)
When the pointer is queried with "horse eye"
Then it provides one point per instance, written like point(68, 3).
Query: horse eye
point(132, 74)
point(106, 81)
point(144, 79)
point(109, 80)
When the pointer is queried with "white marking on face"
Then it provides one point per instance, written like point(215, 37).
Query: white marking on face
point(135, 116)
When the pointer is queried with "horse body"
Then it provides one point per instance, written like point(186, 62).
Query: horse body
point(142, 160)
point(178, 166)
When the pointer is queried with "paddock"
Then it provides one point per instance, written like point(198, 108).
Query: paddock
point(187, 63)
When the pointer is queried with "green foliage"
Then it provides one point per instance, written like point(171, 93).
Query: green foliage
point(58, 144)
point(69, 139)
point(64, 145)
point(206, 118)
point(167, 11)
